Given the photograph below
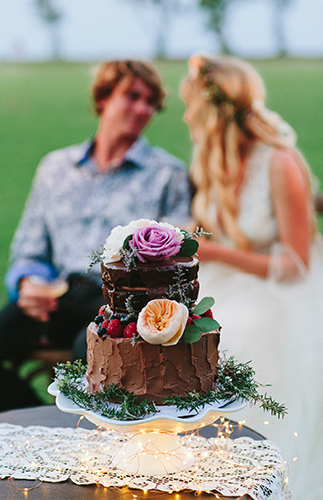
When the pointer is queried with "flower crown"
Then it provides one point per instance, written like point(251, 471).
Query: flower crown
point(200, 67)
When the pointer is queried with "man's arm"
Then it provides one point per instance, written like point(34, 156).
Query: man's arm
point(30, 250)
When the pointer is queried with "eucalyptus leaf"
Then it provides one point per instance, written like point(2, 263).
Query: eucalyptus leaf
point(188, 247)
point(204, 305)
point(206, 324)
point(191, 334)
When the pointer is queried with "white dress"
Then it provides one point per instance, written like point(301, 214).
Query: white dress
point(279, 326)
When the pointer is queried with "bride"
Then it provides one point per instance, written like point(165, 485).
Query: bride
point(263, 262)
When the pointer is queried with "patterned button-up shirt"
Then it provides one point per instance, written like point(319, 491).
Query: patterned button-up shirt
point(72, 207)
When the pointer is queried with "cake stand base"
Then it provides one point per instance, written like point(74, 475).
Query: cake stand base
point(152, 445)
point(152, 453)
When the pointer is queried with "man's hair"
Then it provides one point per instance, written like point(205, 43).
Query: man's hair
point(111, 74)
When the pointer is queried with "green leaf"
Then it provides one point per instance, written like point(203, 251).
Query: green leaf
point(188, 248)
point(125, 245)
point(191, 334)
point(204, 305)
point(206, 324)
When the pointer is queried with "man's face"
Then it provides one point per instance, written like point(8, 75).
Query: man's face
point(127, 111)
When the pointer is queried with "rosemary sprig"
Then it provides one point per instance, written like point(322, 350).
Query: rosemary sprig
point(177, 291)
point(234, 380)
point(69, 383)
point(238, 379)
point(129, 306)
point(128, 256)
point(95, 257)
point(188, 234)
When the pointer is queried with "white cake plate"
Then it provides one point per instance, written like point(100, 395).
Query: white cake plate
point(153, 446)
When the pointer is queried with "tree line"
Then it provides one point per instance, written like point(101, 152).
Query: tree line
point(217, 16)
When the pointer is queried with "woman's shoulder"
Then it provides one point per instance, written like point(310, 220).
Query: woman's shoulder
point(288, 177)
point(286, 167)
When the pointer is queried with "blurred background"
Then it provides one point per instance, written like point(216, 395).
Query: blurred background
point(49, 49)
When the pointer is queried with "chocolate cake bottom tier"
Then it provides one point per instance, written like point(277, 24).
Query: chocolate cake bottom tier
point(152, 371)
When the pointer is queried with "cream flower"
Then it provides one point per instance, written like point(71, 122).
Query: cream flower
point(114, 242)
point(162, 321)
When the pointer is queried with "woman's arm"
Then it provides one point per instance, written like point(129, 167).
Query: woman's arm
point(290, 193)
point(248, 261)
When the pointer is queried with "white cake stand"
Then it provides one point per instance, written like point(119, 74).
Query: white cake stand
point(152, 446)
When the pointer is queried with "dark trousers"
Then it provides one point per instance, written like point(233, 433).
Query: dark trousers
point(19, 334)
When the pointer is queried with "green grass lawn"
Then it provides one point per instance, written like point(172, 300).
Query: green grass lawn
point(47, 106)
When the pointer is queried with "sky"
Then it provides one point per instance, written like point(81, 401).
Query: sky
point(103, 29)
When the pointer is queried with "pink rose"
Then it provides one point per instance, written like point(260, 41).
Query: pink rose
point(155, 242)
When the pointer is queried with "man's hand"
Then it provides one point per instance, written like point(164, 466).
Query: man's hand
point(35, 301)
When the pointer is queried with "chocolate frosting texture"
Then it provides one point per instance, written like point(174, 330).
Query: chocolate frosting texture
point(152, 371)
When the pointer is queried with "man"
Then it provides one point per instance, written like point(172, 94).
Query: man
point(79, 194)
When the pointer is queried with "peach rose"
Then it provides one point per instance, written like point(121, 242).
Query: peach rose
point(162, 321)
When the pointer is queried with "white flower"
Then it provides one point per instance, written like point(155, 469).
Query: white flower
point(114, 242)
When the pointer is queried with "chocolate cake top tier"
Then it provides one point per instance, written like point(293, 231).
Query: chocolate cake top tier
point(147, 281)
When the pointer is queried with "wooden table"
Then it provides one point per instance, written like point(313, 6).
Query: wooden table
point(51, 416)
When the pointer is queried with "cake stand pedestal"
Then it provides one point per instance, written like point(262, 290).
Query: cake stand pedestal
point(152, 445)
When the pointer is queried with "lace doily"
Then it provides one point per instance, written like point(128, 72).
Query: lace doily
point(229, 467)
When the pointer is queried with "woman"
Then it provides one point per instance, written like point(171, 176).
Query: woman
point(263, 261)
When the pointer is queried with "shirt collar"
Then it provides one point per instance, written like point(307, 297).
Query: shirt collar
point(86, 150)
point(136, 154)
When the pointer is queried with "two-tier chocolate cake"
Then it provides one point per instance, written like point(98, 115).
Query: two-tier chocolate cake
point(145, 338)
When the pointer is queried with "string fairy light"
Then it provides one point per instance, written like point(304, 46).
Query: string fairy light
point(205, 451)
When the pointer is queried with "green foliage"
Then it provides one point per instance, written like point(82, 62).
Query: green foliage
point(238, 379)
point(204, 305)
point(95, 258)
point(188, 248)
point(47, 11)
point(235, 381)
point(217, 10)
point(177, 291)
point(206, 324)
point(69, 377)
point(193, 332)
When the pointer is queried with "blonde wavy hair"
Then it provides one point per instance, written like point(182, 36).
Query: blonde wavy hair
point(225, 97)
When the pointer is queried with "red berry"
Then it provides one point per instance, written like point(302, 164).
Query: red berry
point(105, 323)
point(208, 314)
point(130, 330)
point(115, 328)
point(101, 310)
point(195, 316)
point(189, 320)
